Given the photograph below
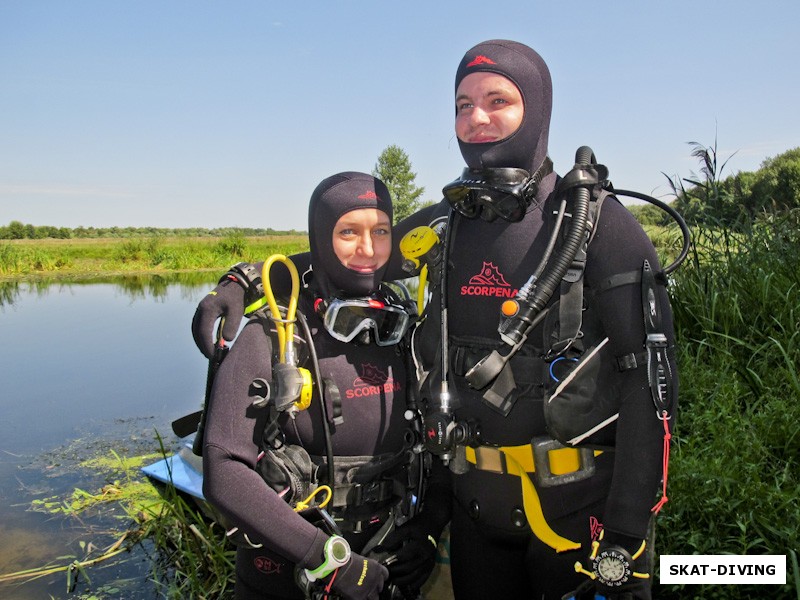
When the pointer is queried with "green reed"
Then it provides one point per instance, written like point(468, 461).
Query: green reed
point(735, 474)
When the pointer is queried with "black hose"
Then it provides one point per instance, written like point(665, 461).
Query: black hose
point(301, 318)
point(576, 237)
point(445, 333)
point(687, 235)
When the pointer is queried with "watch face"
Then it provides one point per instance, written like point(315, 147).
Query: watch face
point(612, 567)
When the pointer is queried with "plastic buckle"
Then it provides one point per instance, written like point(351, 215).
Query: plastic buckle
point(541, 458)
point(656, 340)
point(364, 493)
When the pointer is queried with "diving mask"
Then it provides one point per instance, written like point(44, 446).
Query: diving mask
point(346, 318)
point(492, 193)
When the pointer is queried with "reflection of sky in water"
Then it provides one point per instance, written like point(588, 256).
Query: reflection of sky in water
point(85, 368)
point(74, 357)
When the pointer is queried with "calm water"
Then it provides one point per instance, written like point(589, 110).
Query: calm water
point(85, 368)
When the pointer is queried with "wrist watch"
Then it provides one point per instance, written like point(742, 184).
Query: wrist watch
point(612, 566)
point(336, 553)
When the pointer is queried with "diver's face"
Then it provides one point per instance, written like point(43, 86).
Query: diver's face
point(489, 108)
point(362, 239)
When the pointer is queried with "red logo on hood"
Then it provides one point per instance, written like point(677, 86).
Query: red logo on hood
point(370, 195)
point(481, 60)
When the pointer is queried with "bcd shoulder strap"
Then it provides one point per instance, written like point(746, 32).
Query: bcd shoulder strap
point(570, 307)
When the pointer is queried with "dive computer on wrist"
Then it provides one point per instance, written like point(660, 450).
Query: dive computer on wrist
point(336, 553)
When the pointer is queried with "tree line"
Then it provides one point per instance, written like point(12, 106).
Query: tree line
point(393, 167)
point(707, 199)
point(17, 230)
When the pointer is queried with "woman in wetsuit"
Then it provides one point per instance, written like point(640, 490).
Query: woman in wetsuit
point(363, 370)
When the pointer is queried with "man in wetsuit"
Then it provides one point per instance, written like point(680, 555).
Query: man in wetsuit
point(596, 513)
point(503, 105)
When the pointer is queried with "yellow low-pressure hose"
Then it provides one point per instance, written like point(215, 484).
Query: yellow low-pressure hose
point(423, 279)
point(415, 246)
point(284, 325)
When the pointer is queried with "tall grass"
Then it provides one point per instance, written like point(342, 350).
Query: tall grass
point(735, 475)
point(191, 556)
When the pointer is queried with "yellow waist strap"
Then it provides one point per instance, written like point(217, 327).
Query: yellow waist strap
point(519, 461)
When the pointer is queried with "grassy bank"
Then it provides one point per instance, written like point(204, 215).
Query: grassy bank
point(103, 256)
point(91, 257)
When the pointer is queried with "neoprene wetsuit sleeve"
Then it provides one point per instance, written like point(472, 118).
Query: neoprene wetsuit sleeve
point(231, 484)
point(620, 246)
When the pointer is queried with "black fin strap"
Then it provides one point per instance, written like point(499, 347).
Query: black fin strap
point(617, 280)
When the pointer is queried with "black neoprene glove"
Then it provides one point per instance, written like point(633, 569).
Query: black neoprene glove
point(360, 579)
point(409, 552)
point(224, 301)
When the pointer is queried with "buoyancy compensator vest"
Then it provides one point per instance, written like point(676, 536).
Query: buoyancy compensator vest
point(580, 373)
point(363, 489)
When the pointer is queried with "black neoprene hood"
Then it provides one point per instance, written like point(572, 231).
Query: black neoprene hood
point(333, 197)
point(526, 148)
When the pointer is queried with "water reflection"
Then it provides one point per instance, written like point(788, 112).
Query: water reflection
point(140, 285)
point(96, 365)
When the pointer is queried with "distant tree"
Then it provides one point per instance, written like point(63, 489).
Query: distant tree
point(776, 185)
point(737, 199)
point(648, 214)
point(394, 169)
point(16, 230)
point(709, 199)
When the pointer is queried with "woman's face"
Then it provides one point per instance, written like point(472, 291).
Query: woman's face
point(489, 108)
point(362, 239)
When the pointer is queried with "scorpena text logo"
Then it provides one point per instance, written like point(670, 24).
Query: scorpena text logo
point(489, 282)
point(372, 382)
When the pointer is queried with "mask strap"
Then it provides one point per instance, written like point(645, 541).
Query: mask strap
point(543, 171)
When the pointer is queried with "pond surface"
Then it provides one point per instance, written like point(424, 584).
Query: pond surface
point(85, 368)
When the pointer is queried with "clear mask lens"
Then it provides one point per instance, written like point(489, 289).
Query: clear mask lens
point(344, 319)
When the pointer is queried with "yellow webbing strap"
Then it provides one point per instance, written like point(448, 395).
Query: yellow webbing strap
point(519, 461)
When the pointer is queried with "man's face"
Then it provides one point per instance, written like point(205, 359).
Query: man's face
point(489, 108)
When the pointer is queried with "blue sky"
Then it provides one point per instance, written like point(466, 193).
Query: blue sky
point(206, 114)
